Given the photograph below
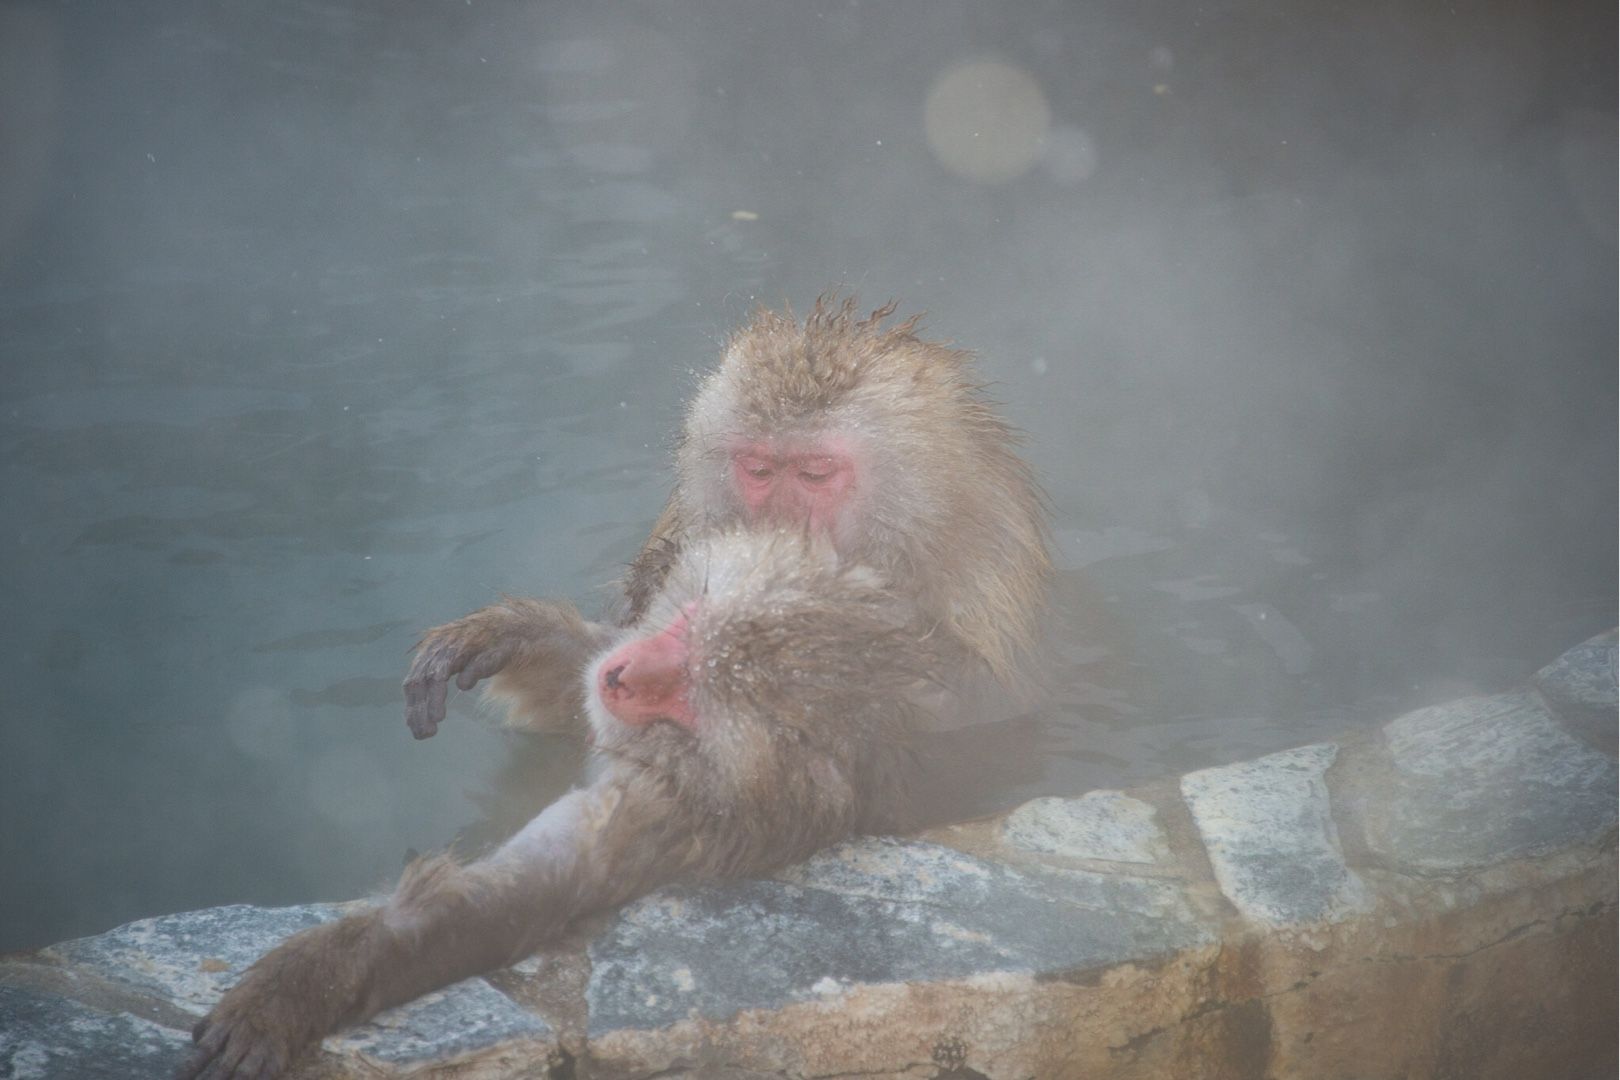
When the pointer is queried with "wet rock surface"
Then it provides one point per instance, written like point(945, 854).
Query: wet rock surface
point(52, 1035)
point(1580, 687)
point(1271, 838)
point(192, 957)
point(1584, 677)
point(870, 912)
point(1109, 826)
point(1388, 904)
point(1480, 781)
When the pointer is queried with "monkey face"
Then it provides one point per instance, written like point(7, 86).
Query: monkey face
point(862, 435)
point(809, 482)
point(884, 444)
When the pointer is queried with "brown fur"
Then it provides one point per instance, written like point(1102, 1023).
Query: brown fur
point(532, 648)
point(953, 517)
point(802, 675)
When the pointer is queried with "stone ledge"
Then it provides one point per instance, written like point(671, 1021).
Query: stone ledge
point(1433, 898)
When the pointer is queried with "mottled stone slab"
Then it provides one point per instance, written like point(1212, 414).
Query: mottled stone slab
point(1584, 677)
point(1481, 780)
point(468, 1017)
point(45, 1036)
point(1106, 825)
point(912, 872)
point(1271, 839)
point(194, 957)
point(878, 911)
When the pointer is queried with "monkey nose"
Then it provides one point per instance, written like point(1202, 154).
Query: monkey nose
point(647, 680)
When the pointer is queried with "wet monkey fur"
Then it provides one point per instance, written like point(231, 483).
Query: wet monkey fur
point(865, 434)
point(756, 698)
point(759, 709)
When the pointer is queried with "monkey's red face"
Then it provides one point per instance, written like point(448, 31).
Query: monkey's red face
point(649, 678)
point(806, 483)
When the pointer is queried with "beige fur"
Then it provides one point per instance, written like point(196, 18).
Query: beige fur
point(803, 672)
point(947, 510)
point(943, 507)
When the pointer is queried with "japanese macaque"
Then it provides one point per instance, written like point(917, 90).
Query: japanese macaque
point(758, 710)
point(872, 437)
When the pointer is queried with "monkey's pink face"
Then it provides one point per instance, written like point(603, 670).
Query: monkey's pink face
point(649, 678)
point(810, 482)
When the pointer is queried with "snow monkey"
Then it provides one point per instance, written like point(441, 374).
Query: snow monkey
point(867, 435)
point(758, 710)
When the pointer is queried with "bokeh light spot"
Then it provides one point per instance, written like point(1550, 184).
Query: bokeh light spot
point(986, 121)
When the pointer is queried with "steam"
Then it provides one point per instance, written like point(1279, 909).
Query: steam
point(327, 322)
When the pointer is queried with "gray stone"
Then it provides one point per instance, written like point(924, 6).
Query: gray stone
point(1271, 838)
point(45, 1036)
point(468, 1017)
point(921, 873)
point(193, 957)
point(1106, 825)
point(871, 912)
point(1478, 781)
point(1583, 678)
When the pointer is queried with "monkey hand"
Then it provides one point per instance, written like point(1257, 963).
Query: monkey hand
point(254, 1033)
point(538, 644)
point(242, 1042)
point(295, 994)
point(466, 649)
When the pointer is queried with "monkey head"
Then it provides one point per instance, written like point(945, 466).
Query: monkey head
point(761, 672)
point(812, 425)
point(881, 442)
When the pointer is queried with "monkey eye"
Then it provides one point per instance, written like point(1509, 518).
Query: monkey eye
point(818, 470)
point(757, 467)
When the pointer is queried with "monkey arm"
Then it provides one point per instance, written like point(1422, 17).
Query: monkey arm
point(593, 848)
point(534, 649)
point(659, 552)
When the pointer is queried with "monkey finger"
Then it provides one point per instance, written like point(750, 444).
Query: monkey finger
point(211, 1050)
point(261, 1064)
point(482, 666)
point(209, 1037)
point(211, 1063)
point(422, 724)
point(424, 701)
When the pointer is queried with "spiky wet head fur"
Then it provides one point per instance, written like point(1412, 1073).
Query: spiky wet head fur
point(943, 506)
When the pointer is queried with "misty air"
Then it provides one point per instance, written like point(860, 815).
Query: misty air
point(806, 466)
